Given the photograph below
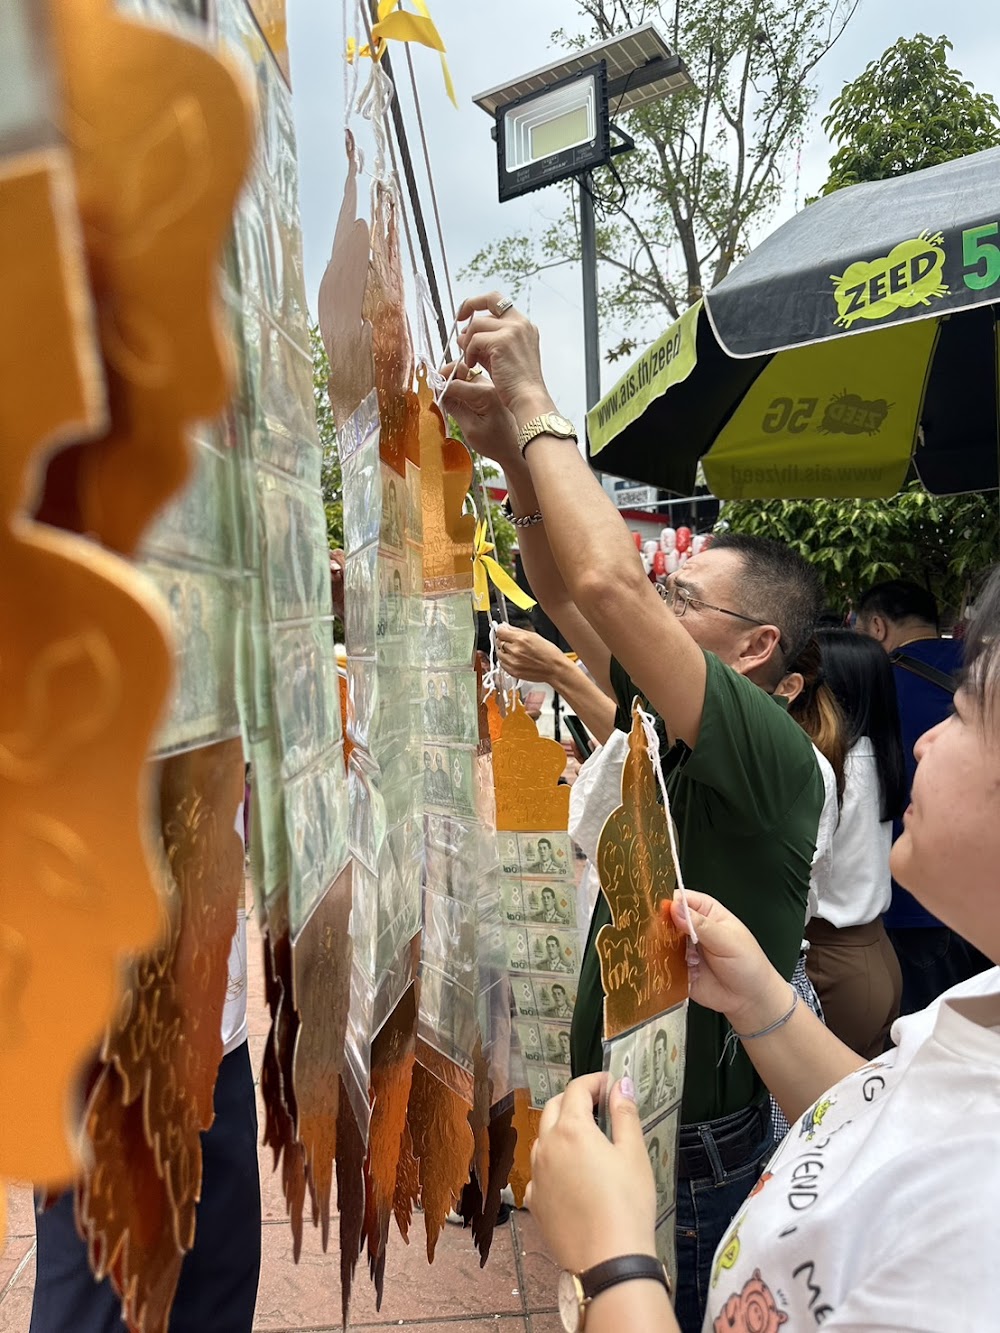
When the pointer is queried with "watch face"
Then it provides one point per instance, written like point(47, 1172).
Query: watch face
point(569, 1302)
point(560, 425)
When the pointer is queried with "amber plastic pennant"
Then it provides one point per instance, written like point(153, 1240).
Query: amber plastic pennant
point(160, 132)
point(83, 685)
point(642, 956)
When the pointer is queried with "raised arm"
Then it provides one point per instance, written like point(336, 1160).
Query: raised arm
point(489, 429)
point(605, 581)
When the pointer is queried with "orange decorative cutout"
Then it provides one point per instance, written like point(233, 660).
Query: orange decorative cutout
point(643, 970)
point(392, 1071)
point(526, 771)
point(84, 673)
point(385, 306)
point(321, 963)
point(350, 1195)
point(154, 1097)
point(281, 1109)
point(495, 1140)
point(443, 1144)
point(347, 334)
point(446, 475)
point(526, 1123)
point(160, 129)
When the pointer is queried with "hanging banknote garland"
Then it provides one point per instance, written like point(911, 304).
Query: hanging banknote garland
point(643, 970)
point(538, 897)
point(402, 930)
point(287, 673)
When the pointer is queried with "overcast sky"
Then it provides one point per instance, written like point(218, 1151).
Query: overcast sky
point(489, 43)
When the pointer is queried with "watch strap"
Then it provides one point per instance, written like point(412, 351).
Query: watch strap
point(542, 425)
point(625, 1268)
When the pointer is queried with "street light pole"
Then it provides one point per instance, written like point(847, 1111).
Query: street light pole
point(588, 255)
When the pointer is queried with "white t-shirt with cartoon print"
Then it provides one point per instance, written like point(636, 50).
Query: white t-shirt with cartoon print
point(881, 1209)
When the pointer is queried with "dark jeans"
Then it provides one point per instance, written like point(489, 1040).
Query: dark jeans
point(707, 1204)
point(217, 1290)
point(932, 959)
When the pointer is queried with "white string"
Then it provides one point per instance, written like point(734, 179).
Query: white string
point(494, 680)
point(653, 750)
point(435, 378)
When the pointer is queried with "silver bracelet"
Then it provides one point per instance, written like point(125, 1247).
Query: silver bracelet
point(524, 521)
point(772, 1027)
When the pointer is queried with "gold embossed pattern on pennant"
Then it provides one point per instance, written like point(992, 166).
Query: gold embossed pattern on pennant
point(527, 768)
point(641, 954)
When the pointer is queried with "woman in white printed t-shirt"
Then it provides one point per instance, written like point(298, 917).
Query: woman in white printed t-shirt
point(879, 1211)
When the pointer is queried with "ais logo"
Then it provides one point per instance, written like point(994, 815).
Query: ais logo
point(911, 274)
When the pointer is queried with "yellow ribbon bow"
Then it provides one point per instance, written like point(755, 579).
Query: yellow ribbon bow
point(398, 25)
point(485, 570)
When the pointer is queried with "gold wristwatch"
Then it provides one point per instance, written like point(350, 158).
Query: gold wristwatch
point(549, 423)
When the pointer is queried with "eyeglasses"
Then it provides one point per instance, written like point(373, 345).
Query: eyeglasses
point(679, 598)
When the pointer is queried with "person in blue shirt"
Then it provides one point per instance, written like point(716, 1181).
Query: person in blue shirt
point(903, 618)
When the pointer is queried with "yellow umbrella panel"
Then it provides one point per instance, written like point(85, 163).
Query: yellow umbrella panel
point(832, 419)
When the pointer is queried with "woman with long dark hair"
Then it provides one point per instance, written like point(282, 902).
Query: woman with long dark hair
point(850, 960)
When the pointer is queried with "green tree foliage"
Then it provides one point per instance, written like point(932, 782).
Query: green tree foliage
point(910, 109)
point(708, 163)
point(331, 481)
point(945, 543)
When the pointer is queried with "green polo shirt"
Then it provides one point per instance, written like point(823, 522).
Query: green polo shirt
point(746, 801)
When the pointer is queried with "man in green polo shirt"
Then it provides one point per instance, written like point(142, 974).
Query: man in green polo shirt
point(745, 789)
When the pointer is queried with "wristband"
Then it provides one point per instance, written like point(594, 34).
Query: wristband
point(771, 1027)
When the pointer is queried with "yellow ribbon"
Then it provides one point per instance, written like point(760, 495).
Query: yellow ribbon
point(485, 570)
point(398, 25)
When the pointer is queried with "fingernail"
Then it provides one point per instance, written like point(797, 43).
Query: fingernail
point(627, 1088)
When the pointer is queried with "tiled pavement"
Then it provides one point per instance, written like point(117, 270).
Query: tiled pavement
point(514, 1293)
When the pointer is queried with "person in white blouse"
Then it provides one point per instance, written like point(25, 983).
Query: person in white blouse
point(879, 1209)
point(851, 961)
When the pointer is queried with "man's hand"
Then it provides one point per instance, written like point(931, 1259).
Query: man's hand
point(506, 346)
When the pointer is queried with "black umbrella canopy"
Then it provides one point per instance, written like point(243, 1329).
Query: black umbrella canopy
point(915, 247)
point(873, 258)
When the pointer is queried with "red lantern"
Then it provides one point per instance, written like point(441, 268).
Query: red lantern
point(659, 563)
point(683, 539)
